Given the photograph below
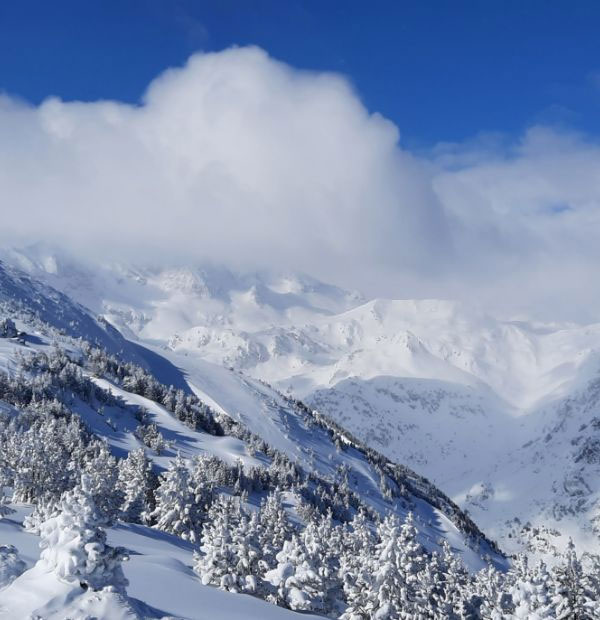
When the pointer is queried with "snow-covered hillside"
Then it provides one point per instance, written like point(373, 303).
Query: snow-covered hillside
point(499, 400)
point(158, 566)
point(256, 440)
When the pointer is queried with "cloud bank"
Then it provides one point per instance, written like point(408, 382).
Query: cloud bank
point(242, 160)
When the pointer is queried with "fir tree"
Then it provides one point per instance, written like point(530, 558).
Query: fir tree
point(174, 500)
point(102, 475)
point(217, 562)
point(74, 542)
point(296, 580)
point(574, 597)
point(5, 509)
point(135, 481)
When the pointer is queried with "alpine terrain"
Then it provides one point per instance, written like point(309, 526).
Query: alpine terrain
point(208, 432)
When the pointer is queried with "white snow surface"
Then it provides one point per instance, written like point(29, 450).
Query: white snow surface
point(161, 583)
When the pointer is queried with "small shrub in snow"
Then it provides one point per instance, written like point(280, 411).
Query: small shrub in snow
point(44, 510)
point(11, 566)
point(5, 509)
point(151, 437)
point(8, 329)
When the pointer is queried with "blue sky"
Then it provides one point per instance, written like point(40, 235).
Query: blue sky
point(240, 157)
point(442, 71)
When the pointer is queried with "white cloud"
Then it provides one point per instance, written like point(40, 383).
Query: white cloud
point(529, 217)
point(243, 160)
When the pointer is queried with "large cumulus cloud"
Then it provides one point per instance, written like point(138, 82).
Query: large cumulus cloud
point(242, 160)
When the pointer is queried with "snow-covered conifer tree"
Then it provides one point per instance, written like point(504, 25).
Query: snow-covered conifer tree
point(297, 581)
point(74, 542)
point(574, 597)
point(530, 591)
point(174, 501)
point(217, 562)
point(485, 596)
point(355, 565)
point(392, 590)
point(248, 553)
point(102, 475)
point(5, 509)
point(454, 597)
point(8, 328)
point(11, 565)
point(135, 483)
point(323, 541)
point(275, 527)
point(202, 485)
point(45, 508)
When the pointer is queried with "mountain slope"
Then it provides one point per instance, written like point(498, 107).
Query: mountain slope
point(244, 424)
point(412, 379)
point(158, 566)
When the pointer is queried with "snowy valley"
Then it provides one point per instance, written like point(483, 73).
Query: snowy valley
point(96, 447)
point(509, 406)
point(186, 483)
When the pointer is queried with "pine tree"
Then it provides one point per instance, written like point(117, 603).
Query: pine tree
point(574, 597)
point(135, 481)
point(11, 565)
point(217, 562)
point(5, 509)
point(102, 474)
point(296, 580)
point(74, 542)
point(274, 528)
point(174, 502)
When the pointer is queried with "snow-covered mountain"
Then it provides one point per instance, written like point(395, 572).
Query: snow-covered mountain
point(489, 409)
point(118, 390)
